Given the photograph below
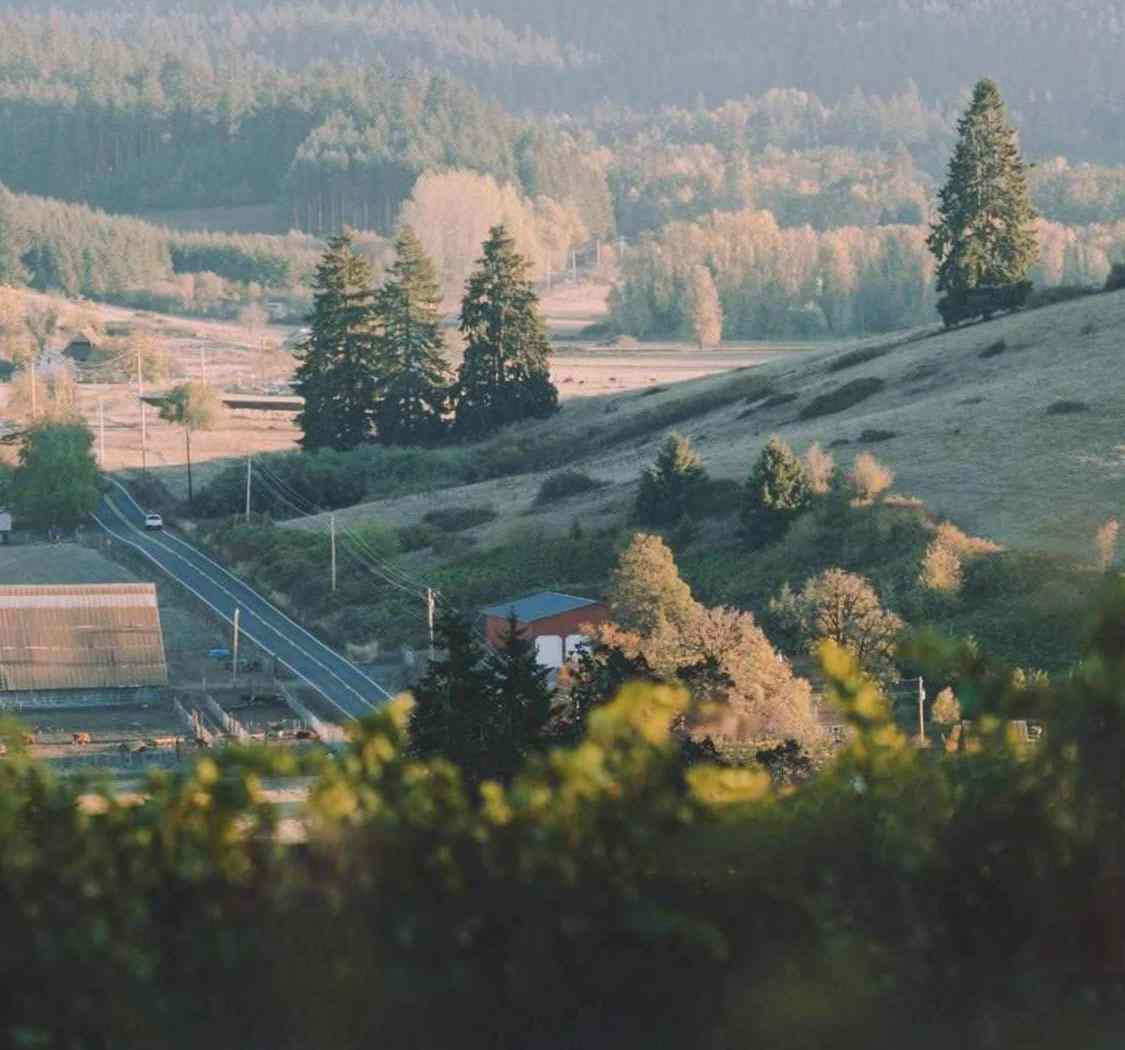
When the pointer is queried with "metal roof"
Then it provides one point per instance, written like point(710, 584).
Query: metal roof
point(538, 606)
point(93, 636)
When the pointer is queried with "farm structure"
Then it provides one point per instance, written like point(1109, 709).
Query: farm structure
point(87, 645)
point(555, 622)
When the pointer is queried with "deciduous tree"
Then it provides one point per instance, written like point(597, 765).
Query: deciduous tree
point(194, 406)
point(56, 482)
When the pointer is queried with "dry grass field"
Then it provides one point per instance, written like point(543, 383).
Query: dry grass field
point(1013, 428)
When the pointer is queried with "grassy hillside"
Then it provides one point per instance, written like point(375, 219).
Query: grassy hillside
point(1012, 428)
point(1008, 430)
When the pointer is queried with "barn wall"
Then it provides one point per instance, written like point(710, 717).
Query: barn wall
point(563, 624)
point(75, 699)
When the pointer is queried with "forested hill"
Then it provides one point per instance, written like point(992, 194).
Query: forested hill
point(1060, 62)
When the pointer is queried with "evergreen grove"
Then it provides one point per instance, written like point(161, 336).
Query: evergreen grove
point(374, 364)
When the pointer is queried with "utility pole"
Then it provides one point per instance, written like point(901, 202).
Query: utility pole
point(574, 264)
point(140, 374)
point(144, 440)
point(203, 362)
point(332, 545)
point(430, 619)
point(101, 429)
point(34, 398)
point(234, 650)
point(249, 471)
point(598, 253)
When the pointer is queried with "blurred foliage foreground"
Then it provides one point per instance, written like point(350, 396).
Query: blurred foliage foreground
point(609, 896)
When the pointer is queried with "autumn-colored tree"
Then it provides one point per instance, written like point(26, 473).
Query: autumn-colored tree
point(844, 608)
point(646, 591)
point(704, 309)
point(194, 406)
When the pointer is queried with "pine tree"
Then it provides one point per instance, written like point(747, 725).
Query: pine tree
point(337, 376)
point(670, 487)
point(522, 701)
point(985, 237)
point(413, 376)
point(505, 375)
point(453, 701)
point(776, 492)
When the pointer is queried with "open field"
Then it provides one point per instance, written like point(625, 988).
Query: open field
point(236, 358)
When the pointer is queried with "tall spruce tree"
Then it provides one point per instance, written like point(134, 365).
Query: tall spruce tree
point(522, 701)
point(413, 375)
point(453, 701)
point(337, 375)
point(776, 492)
point(505, 375)
point(985, 236)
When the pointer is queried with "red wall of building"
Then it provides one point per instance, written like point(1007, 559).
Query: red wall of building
point(562, 625)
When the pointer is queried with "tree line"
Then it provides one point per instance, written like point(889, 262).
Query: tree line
point(374, 365)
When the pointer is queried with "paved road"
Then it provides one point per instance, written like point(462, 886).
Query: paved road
point(349, 691)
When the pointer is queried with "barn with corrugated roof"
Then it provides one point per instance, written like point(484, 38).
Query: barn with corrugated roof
point(555, 621)
point(80, 645)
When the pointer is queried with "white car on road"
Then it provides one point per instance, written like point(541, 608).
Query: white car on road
point(154, 521)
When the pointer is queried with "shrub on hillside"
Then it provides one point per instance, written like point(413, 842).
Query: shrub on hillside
point(820, 469)
point(777, 491)
point(1105, 544)
point(946, 708)
point(858, 357)
point(459, 519)
point(941, 569)
point(1115, 280)
point(1059, 293)
point(565, 484)
point(842, 398)
point(672, 485)
point(1065, 407)
point(869, 478)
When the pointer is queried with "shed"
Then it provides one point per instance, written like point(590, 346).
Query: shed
point(80, 349)
point(80, 645)
point(553, 620)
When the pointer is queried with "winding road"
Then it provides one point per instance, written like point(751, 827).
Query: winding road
point(345, 688)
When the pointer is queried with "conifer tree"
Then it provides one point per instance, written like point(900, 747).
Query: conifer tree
point(337, 375)
point(505, 375)
point(413, 379)
point(670, 487)
point(522, 701)
point(985, 235)
point(453, 699)
point(776, 492)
